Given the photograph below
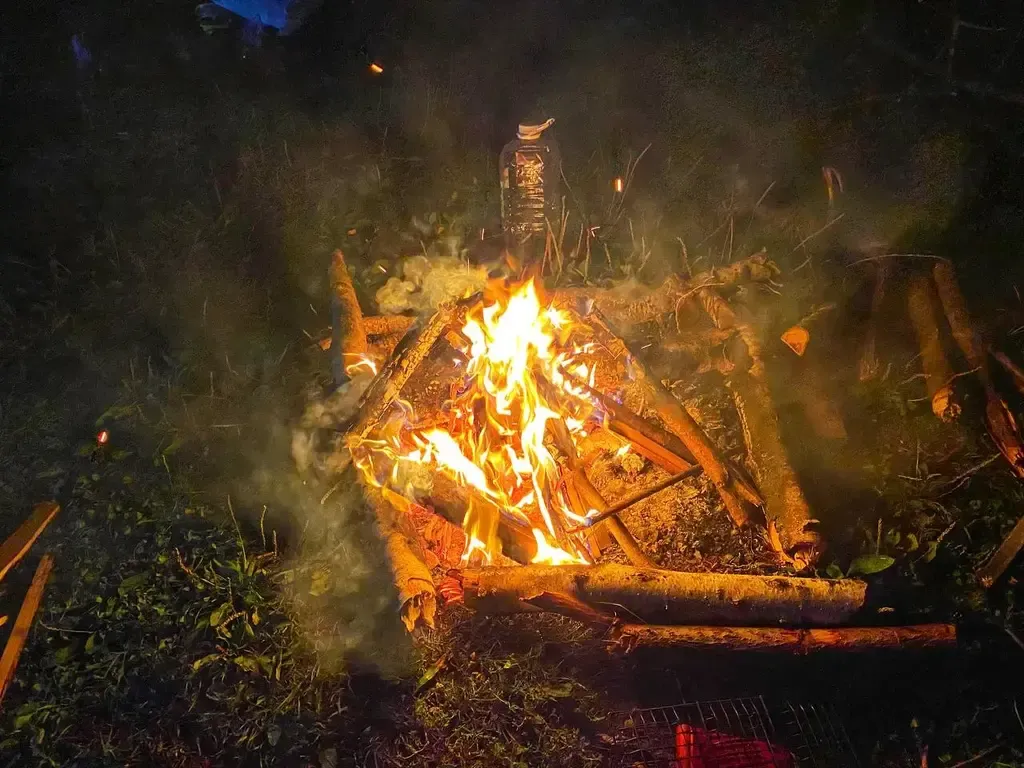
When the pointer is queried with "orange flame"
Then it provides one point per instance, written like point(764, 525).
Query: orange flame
point(518, 382)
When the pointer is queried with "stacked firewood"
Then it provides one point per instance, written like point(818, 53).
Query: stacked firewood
point(640, 604)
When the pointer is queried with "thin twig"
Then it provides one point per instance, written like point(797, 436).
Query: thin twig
point(241, 541)
point(898, 256)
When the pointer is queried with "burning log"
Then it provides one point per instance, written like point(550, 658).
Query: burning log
point(387, 325)
point(922, 306)
point(869, 366)
point(1001, 425)
point(348, 337)
point(416, 594)
point(666, 597)
point(791, 526)
point(732, 487)
point(800, 641)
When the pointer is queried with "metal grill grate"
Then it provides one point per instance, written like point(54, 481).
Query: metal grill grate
point(734, 733)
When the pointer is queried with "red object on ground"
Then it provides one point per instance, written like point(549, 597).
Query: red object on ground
point(700, 748)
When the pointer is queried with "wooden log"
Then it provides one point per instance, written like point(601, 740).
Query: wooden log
point(923, 310)
point(348, 338)
point(792, 529)
point(869, 366)
point(387, 325)
point(417, 597)
point(20, 542)
point(730, 484)
point(801, 641)
point(669, 597)
point(23, 624)
point(410, 353)
point(1000, 422)
point(1003, 557)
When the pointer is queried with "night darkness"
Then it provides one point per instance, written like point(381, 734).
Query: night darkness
point(177, 180)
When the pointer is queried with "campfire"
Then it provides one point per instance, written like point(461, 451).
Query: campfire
point(479, 434)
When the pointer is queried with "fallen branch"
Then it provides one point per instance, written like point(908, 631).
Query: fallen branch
point(938, 374)
point(798, 336)
point(792, 530)
point(20, 542)
point(800, 641)
point(1001, 425)
point(23, 624)
point(667, 597)
point(416, 595)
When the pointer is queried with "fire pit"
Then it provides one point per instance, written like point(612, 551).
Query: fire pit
point(479, 438)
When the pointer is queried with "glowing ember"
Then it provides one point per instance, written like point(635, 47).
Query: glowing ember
point(619, 185)
point(361, 364)
point(376, 68)
point(515, 393)
point(102, 437)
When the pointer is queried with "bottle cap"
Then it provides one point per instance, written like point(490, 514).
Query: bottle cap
point(533, 132)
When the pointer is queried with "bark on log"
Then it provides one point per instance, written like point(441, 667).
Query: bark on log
point(923, 309)
point(348, 338)
point(800, 641)
point(416, 595)
point(666, 597)
point(730, 484)
point(869, 365)
point(1001, 425)
point(387, 325)
point(792, 530)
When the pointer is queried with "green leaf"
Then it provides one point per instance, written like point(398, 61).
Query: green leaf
point(248, 663)
point(867, 564)
point(132, 582)
point(834, 571)
point(911, 542)
point(63, 655)
point(200, 663)
point(431, 673)
point(931, 551)
point(274, 734)
point(90, 644)
point(219, 613)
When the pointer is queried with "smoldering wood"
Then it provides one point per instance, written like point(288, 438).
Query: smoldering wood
point(731, 485)
point(792, 530)
point(387, 325)
point(923, 310)
point(1000, 422)
point(631, 637)
point(669, 597)
point(416, 594)
point(348, 338)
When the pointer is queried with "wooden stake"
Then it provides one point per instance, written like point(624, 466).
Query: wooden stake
point(869, 365)
point(23, 624)
point(1003, 557)
point(20, 542)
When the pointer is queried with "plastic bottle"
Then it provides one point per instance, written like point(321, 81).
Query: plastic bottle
point(530, 169)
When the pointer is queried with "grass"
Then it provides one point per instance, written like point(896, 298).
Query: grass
point(210, 606)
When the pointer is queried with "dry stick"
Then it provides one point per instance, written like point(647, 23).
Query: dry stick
point(22, 625)
point(1003, 557)
point(791, 531)
point(922, 307)
point(669, 597)
point(733, 489)
point(1001, 425)
point(800, 641)
point(636, 498)
point(20, 542)
point(348, 339)
point(869, 365)
point(1011, 367)
point(592, 498)
point(416, 595)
